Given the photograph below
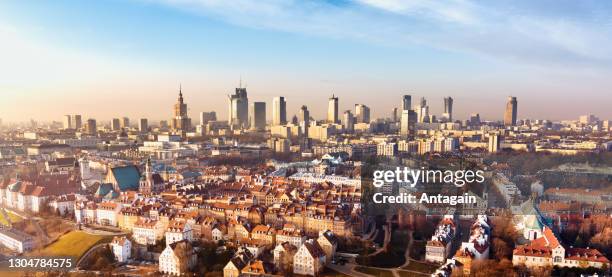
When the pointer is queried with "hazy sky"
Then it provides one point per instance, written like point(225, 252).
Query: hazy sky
point(105, 59)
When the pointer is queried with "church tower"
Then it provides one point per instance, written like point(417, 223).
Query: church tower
point(146, 181)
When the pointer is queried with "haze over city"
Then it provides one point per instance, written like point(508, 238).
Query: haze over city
point(107, 59)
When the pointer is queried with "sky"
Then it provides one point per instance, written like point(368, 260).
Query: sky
point(110, 58)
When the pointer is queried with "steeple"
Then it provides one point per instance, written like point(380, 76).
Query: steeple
point(180, 93)
point(148, 165)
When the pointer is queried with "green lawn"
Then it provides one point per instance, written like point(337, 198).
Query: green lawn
point(374, 271)
point(75, 243)
point(13, 217)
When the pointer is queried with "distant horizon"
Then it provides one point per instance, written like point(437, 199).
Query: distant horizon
point(194, 115)
point(109, 59)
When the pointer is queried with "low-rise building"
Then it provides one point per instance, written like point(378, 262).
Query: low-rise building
point(178, 231)
point(147, 231)
point(121, 248)
point(548, 251)
point(439, 246)
point(16, 240)
point(309, 259)
point(177, 258)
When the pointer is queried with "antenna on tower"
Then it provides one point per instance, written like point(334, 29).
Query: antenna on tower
point(240, 84)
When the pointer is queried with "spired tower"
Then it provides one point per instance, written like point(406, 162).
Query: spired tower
point(85, 172)
point(332, 110)
point(181, 122)
point(146, 181)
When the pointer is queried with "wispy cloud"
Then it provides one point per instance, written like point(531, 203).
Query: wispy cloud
point(503, 31)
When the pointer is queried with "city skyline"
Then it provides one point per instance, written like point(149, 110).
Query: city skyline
point(324, 117)
point(106, 57)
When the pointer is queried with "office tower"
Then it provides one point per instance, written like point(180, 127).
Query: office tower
point(394, 114)
point(67, 122)
point(407, 121)
point(257, 116)
point(362, 113)
point(115, 124)
point(422, 111)
point(332, 110)
point(348, 121)
point(493, 143)
point(91, 128)
point(181, 121)
point(304, 118)
point(76, 121)
point(207, 116)
point(587, 119)
point(125, 122)
point(304, 115)
point(511, 110)
point(239, 108)
point(143, 125)
point(406, 102)
point(163, 124)
point(475, 119)
point(279, 111)
point(448, 108)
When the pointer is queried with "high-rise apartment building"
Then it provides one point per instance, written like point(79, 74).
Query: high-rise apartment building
point(115, 124)
point(448, 108)
point(407, 122)
point(257, 116)
point(91, 127)
point(76, 121)
point(125, 122)
point(163, 124)
point(494, 143)
point(332, 110)
point(207, 116)
point(362, 113)
point(511, 112)
point(239, 108)
point(422, 111)
point(406, 102)
point(67, 122)
point(143, 125)
point(348, 121)
point(474, 119)
point(181, 121)
point(304, 120)
point(279, 111)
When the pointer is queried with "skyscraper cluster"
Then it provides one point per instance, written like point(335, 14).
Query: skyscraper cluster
point(72, 122)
